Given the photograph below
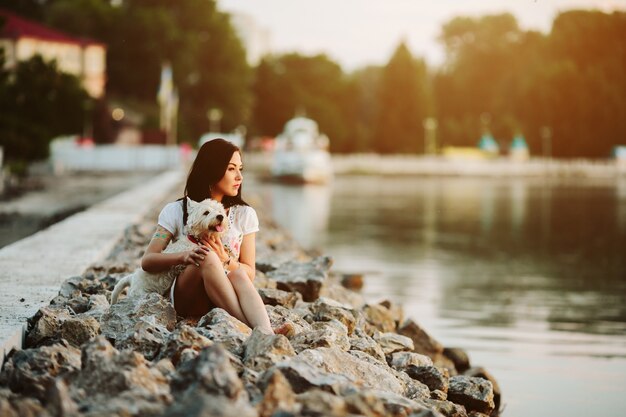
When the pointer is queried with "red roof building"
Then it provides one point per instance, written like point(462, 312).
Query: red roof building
point(21, 39)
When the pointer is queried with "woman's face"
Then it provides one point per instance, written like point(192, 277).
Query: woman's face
point(231, 181)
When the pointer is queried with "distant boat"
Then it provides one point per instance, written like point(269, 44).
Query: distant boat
point(301, 153)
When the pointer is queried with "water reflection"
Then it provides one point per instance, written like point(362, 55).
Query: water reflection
point(517, 271)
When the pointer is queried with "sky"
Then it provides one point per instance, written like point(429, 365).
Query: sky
point(356, 33)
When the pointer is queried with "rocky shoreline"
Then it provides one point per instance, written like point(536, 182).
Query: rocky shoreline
point(347, 357)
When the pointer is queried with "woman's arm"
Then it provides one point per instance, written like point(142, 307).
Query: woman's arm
point(247, 255)
point(154, 260)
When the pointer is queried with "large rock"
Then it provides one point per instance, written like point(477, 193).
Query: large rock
point(320, 403)
point(147, 338)
point(33, 371)
point(303, 376)
point(392, 342)
point(220, 327)
point(424, 343)
point(79, 330)
point(184, 338)
point(273, 297)
point(326, 309)
point(304, 277)
point(278, 398)
point(365, 343)
point(459, 357)
point(472, 392)
point(202, 404)
point(434, 378)
point(402, 360)
point(211, 372)
point(262, 351)
point(481, 372)
point(322, 334)
point(119, 322)
point(44, 326)
point(379, 317)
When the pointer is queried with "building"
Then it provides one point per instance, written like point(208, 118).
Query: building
point(21, 39)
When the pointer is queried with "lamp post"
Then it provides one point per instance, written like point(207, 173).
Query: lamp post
point(430, 135)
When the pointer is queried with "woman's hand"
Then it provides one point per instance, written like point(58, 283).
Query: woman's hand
point(195, 256)
point(215, 243)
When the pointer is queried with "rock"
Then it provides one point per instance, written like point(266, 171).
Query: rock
point(106, 373)
point(392, 342)
point(201, 404)
point(181, 339)
point(280, 315)
point(322, 334)
point(368, 345)
point(481, 372)
point(97, 306)
point(304, 277)
point(220, 327)
point(79, 330)
point(326, 309)
point(459, 357)
point(397, 405)
point(337, 292)
point(401, 360)
point(45, 324)
point(352, 282)
point(361, 372)
point(273, 297)
point(396, 310)
point(33, 371)
point(211, 373)
point(303, 376)
point(262, 281)
point(434, 378)
point(279, 398)
point(423, 342)
point(472, 392)
point(147, 338)
point(447, 408)
point(379, 317)
point(58, 399)
point(261, 351)
point(119, 321)
point(320, 403)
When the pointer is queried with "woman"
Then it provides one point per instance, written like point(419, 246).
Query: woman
point(218, 272)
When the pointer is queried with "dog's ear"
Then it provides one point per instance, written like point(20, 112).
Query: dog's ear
point(191, 203)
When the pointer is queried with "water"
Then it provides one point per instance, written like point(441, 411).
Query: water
point(527, 275)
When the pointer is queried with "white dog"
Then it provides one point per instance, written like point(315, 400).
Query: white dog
point(205, 218)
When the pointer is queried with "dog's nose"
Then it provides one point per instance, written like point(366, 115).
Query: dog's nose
point(219, 217)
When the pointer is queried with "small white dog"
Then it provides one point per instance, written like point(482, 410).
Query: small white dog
point(205, 218)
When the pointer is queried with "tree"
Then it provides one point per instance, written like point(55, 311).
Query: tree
point(315, 86)
point(404, 104)
point(37, 103)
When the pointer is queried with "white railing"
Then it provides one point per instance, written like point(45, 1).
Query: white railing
point(67, 155)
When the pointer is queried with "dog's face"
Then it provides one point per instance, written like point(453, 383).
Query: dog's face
point(206, 217)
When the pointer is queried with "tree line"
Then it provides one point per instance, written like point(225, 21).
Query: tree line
point(568, 86)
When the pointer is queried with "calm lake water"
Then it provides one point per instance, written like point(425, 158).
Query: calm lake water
point(527, 275)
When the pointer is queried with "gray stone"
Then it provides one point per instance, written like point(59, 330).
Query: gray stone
point(326, 309)
point(59, 401)
point(401, 360)
point(396, 311)
point(183, 338)
point(278, 397)
point(368, 345)
point(379, 317)
point(45, 325)
point(280, 315)
point(481, 372)
point(210, 372)
point(392, 342)
point(79, 330)
point(220, 327)
point(424, 343)
point(304, 277)
point(147, 338)
point(472, 392)
point(447, 408)
point(32, 371)
point(273, 297)
point(320, 403)
point(202, 404)
point(119, 321)
point(434, 378)
point(322, 334)
point(262, 351)
point(459, 357)
point(303, 376)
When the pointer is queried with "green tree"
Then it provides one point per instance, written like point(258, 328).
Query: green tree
point(403, 102)
point(37, 103)
point(292, 84)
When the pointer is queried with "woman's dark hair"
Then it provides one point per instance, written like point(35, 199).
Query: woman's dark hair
point(207, 170)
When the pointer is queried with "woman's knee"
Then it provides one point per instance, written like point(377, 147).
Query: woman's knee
point(211, 259)
point(239, 277)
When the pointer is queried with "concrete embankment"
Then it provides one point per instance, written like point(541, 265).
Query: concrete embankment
point(342, 355)
point(32, 269)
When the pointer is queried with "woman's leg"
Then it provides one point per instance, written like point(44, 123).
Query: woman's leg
point(198, 288)
point(250, 301)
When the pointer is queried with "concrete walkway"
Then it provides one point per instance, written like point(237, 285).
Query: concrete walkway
point(33, 269)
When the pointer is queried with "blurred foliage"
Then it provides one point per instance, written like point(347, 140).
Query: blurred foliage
point(496, 77)
point(37, 103)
